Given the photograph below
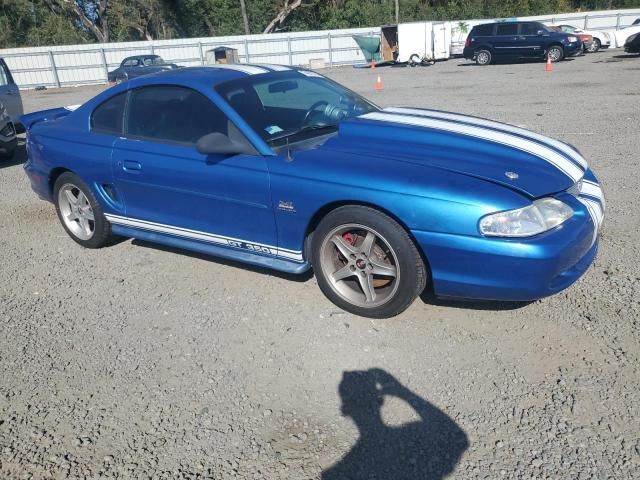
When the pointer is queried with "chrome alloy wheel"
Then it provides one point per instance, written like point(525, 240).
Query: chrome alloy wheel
point(76, 211)
point(483, 58)
point(555, 54)
point(360, 265)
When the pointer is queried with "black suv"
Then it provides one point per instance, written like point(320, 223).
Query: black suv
point(509, 40)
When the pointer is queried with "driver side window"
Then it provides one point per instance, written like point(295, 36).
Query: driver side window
point(171, 114)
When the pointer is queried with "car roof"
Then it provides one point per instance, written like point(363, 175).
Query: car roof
point(209, 75)
point(149, 55)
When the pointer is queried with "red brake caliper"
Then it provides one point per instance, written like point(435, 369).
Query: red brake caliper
point(350, 238)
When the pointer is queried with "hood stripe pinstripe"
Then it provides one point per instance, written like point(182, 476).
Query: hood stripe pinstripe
point(563, 164)
point(503, 127)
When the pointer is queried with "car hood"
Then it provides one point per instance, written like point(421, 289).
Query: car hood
point(504, 154)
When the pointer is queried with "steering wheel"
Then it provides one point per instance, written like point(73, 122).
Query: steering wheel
point(312, 109)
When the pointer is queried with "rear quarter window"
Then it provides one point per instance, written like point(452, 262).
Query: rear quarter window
point(483, 30)
point(507, 29)
point(108, 116)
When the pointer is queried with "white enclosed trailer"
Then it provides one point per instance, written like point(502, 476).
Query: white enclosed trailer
point(416, 41)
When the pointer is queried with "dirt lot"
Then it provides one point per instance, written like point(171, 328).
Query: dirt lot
point(142, 362)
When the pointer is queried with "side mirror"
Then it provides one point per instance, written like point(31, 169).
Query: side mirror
point(219, 144)
point(540, 32)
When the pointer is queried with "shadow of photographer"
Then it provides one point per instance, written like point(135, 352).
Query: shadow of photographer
point(427, 449)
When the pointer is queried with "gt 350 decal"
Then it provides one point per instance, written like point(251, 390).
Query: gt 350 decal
point(206, 237)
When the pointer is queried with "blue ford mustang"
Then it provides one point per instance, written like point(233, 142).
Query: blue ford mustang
point(284, 168)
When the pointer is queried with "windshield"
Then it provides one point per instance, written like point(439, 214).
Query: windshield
point(292, 105)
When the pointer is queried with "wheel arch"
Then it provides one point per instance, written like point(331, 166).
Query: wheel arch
point(54, 174)
point(323, 211)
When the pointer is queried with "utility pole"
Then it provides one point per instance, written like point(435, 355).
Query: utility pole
point(397, 11)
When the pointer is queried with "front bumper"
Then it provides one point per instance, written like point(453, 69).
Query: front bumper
point(512, 269)
point(572, 49)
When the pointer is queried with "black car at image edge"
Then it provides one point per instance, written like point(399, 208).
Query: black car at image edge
point(489, 42)
point(632, 45)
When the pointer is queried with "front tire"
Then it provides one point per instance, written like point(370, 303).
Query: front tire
point(595, 46)
point(555, 53)
point(79, 212)
point(483, 57)
point(366, 263)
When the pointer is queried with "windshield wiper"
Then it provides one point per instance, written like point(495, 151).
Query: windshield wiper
point(305, 129)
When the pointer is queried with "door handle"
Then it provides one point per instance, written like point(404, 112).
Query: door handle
point(132, 165)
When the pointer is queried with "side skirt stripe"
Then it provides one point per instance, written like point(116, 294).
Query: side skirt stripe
point(456, 117)
point(206, 237)
point(563, 164)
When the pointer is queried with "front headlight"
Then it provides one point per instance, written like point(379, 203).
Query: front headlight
point(540, 216)
point(572, 39)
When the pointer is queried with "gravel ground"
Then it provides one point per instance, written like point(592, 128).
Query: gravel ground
point(142, 362)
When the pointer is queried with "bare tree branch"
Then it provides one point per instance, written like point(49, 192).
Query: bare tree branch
point(97, 27)
point(284, 12)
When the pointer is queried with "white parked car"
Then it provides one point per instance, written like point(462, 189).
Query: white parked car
point(600, 39)
point(626, 32)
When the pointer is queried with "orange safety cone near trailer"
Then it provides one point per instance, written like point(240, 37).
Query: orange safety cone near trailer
point(379, 85)
point(548, 67)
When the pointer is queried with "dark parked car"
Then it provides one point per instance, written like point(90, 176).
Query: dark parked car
point(7, 135)
point(132, 67)
point(10, 94)
point(508, 40)
point(632, 45)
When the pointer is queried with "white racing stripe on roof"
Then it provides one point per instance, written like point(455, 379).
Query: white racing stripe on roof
point(274, 67)
point(248, 69)
point(563, 147)
point(563, 164)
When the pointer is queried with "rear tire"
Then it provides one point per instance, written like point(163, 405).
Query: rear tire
point(80, 212)
point(556, 53)
point(595, 46)
point(366, 263)
point(483, 57)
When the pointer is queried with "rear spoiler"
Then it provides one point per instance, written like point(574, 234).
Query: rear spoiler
point(30, 119)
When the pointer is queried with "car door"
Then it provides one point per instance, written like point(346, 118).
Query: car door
point(9, 93)
point(171, 188)
point(506, 42)
point(530, 40)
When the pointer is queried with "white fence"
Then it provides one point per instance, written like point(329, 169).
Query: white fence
point(84, 64)
point(57, 66)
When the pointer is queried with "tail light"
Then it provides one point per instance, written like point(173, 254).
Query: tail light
point(467, 43)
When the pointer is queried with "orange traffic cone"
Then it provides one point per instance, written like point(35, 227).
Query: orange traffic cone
point(548, 67)
point(379, 85)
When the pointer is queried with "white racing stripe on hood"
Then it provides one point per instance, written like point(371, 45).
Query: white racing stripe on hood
point(595, 211)
point(248, 69)
point(563, 164)
point(593, 190)
point(456, 117)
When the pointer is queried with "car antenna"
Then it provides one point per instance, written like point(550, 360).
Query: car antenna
point(289, 157)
